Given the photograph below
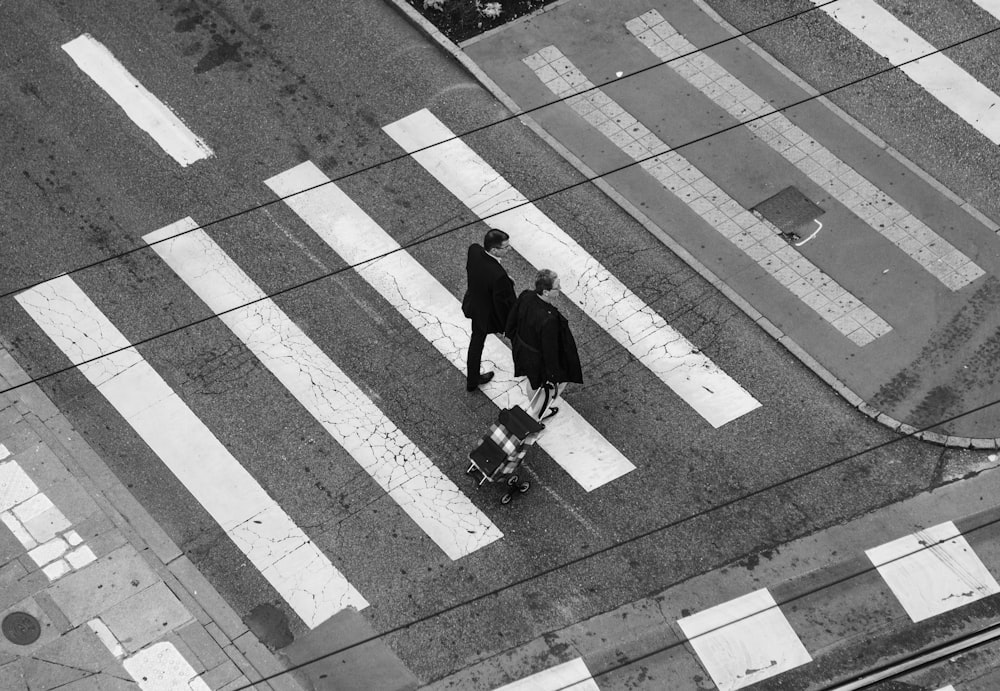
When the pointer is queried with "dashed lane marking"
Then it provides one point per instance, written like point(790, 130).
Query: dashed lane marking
point(689, 373)
point(878, 210)
point(757, 238)
point(433, 311)
point(955, 88)
point(399, 467)
point(283, 554)
point(145, 110)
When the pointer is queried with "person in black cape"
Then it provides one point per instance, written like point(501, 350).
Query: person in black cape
point(543, 346)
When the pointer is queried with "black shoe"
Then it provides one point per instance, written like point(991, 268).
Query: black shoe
point(549, 413)
point(483, 378)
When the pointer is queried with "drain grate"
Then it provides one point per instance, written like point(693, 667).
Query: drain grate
point(788, 210)
point(21, 628)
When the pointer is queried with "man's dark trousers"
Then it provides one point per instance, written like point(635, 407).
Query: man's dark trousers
point(475, 357)
point(487, 302)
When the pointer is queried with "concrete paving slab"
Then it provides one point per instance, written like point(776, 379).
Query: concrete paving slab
point(80, 648)
point(103, 584)
point(147, 616)
point(367, 666)
point(12, 677)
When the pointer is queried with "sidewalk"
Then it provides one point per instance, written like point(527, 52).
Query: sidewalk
point(93, 595)
point(869, 271)
point(807, 616)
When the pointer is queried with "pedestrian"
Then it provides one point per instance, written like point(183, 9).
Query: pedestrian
point(487, 300)
point(543, 346)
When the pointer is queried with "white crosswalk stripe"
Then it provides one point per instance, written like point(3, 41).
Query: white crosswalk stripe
point(758, 238)
point(641, 330)
point(573, 443)
point(876, 208)
point(145, 110)
point(955, 88)
point(283, 554)
point(425, 493)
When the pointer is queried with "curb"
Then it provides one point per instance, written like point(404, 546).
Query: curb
point(141, 531)
point(456, 52)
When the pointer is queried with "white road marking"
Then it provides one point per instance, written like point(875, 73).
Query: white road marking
point(285, 556)
point(744, 641)
point(876, 208)
point(425, 493)
point(569, 676)
point(145, 110)
point(819, 227)
point(576, 446)
point(756, 237)
point(161, 667)
point(638, 327)
point(933, 571)
point(955, 88)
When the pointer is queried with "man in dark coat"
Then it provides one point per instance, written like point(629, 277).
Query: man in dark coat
point(543, 346)
point(487, 301)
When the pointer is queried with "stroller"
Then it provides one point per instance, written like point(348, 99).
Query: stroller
point(501, 452)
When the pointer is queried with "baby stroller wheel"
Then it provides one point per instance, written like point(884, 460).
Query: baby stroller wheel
point(525, 486)
point(512, 480)
point(505, 499)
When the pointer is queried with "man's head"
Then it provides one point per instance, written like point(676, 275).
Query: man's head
point(496, 242)
point(547, 284)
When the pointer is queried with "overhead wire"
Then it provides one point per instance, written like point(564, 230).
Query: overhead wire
point(586, 180)
point(527, 202)
point(394, 159)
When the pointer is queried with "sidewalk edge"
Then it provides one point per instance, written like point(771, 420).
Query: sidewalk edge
point(790, 345)
point(136, 524)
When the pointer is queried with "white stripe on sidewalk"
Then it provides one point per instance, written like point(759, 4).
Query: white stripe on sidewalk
point(269, 538)
point(145, 110)
point(576, 446)
point(569, 676)
point(958, 90)
point(933, 571)
point(874, 206)
point(634, 324)
point(744, 640)
point(426, 494)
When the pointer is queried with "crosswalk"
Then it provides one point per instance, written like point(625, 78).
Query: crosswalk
point(255, 523)
point(401, 469)
point(885, 34)
point(571, 442)
point(594, 289)
point(311, 582)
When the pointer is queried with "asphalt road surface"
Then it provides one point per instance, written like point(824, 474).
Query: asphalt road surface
point(268, 86)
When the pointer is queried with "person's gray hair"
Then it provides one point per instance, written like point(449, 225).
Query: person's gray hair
point(544, 280)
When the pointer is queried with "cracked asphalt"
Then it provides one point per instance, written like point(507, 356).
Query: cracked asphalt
point(270, 85)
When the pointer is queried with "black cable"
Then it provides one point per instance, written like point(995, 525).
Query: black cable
point(621, 664)
point(448, 231)
point(387, 161)
point(631, 540)
point(672, 524)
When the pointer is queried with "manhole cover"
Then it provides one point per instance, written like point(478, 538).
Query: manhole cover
point(21, 628)
point(789, 210)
